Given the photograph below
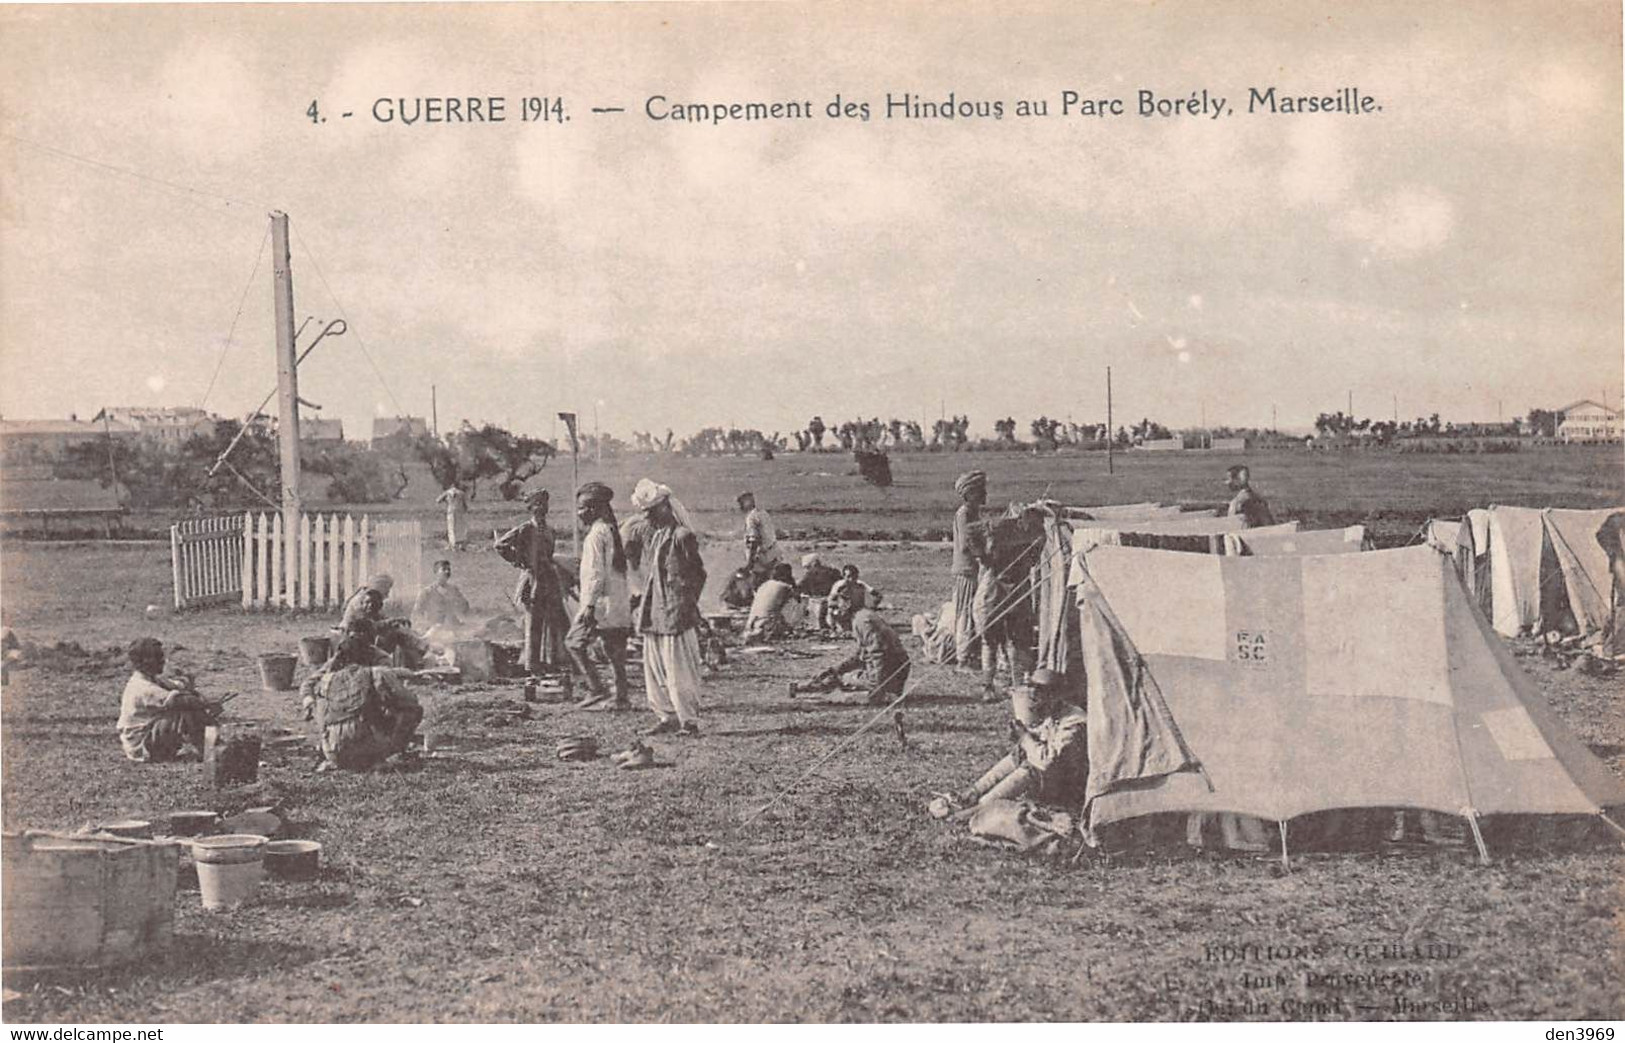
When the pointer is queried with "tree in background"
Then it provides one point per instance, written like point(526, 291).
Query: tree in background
point(1543, 422)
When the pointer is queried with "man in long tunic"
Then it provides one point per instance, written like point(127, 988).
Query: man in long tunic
point(529, 547)
point(761, 539)
point(456, 502)
point(968, 553)
point(668, 616)
point(1003, 607)
point(605, 614)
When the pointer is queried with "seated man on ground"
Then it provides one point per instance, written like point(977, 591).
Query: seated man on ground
point(160, 715)
point(775, 611)
point(441, 604)
point(936, 634)
point(1050, 759)
point(366, 713)
point(862, 595)
point(879, 653)
point(740, 590)
point(393, 636)
point(817, 580)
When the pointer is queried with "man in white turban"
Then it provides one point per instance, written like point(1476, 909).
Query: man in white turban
point(666, 551)
point(969, 550)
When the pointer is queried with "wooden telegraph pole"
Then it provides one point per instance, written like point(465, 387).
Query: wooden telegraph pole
point(287, 372)
point(1111, 432)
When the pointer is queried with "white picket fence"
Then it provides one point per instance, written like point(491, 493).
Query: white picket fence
point(317, 566)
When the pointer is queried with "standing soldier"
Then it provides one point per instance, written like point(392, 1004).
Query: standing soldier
point(1252, 508)
point(668, 616)
point(529, 547)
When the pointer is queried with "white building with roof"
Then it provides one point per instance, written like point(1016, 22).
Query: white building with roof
point(1588, 421)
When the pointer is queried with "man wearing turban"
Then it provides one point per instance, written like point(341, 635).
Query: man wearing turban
point(606, 602)
point(969, 550)
point(666, 550)
point(529, 548)
point(761, 539)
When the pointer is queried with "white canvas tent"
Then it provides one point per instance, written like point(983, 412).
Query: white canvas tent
point(1295, 697)
point(1547, 570)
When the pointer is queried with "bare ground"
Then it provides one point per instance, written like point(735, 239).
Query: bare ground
point(501, 884)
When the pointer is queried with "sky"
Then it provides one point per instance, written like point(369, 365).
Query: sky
point(1457, 252)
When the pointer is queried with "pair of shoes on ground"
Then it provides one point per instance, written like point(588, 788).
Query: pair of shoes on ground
point(672, 726)
point(634, 757)
point(604, 701)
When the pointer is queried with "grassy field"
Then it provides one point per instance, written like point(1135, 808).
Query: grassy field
point(499, 883)
point(819, 496)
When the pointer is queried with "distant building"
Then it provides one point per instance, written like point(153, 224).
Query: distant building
point(403, 428)
point(317, 431)
point(1588, 421)
point(1228, 445)
point(166, 425)
point(1162, 445)
point(41, 441)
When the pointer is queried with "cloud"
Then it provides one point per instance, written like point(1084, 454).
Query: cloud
point(202, 94)
point(1407, 223)
point(1318, 169)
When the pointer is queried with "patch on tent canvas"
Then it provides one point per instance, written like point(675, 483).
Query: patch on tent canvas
point(1516, 734)
point(1173, 604)
point(1252, 647)
point(1353, 642)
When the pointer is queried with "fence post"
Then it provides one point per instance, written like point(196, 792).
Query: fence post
point(273, 596)
point(306, 560)
point(347, 572)
point(262, 546)
point(331, 527)
point(364, 545)
point(247, 565)
point(175, 563)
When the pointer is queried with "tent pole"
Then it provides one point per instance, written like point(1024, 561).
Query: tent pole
point(1286, 863)
point(1615, 826)
point(1478, 837)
